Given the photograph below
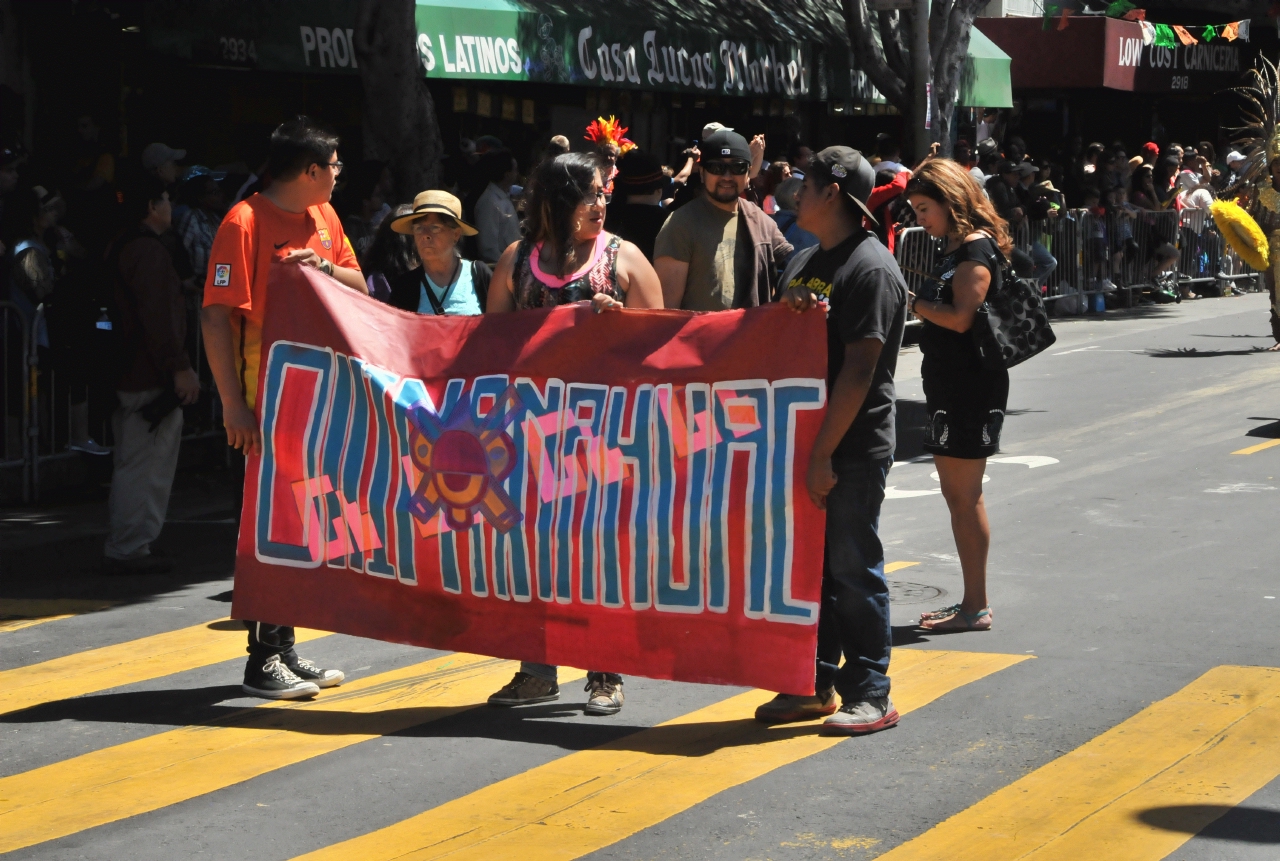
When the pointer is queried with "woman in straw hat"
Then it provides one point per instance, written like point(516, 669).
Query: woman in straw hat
point(445, 283)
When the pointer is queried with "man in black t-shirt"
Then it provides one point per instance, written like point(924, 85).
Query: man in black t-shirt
point(857, 279)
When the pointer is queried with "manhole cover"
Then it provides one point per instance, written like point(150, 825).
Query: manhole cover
point(913, 593)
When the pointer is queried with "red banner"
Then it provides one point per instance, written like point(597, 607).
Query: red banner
point(620, 491)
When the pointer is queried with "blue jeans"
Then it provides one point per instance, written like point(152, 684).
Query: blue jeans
point(549, 672)
point(854, 619)
point(1044, 261)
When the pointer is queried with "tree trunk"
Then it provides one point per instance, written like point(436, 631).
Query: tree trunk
point(400, 125)
point(888, 62)
point(949, 27)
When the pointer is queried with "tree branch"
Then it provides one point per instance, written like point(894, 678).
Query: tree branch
point(895, 50)
point(870, 56)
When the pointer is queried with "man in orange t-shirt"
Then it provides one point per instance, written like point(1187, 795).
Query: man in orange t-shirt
point(290, 223)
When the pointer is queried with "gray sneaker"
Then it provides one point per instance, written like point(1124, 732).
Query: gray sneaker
point(524, 690)
point(861, 717)
point(788, 708)
point(606, 694)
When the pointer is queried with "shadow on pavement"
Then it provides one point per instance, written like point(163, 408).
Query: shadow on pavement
point(1193, 353)
point(530, 724)
point(1217, 821)
point(1267, 431)
point(909, 426)
point(54, 551)
point(1249, 337)
point(907, 635)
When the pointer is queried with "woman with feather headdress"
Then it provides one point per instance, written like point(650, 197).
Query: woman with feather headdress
point(610, 139)
point(1251, 223)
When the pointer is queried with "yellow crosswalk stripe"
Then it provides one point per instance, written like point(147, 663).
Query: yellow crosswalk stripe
point(898, 566)
point(154, 772)
point(126, 663)
point(1262, 446)
point(19, 613)
point(1204, 749)
point(586, 801)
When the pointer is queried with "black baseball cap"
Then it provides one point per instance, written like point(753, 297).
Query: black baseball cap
point(725, 144)
point(639, 172)
point(846, 168)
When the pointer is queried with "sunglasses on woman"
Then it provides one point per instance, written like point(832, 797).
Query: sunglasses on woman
point(736, 167)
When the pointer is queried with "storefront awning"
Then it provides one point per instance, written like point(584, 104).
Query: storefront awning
point(985, 82)
point(1107, 52)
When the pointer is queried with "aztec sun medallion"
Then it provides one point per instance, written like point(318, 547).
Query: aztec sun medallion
point(463, 462)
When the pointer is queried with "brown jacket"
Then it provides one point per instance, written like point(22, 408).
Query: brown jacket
point(153, 315)
point(755, 273)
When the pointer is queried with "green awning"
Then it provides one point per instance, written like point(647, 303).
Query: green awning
point(985, 81)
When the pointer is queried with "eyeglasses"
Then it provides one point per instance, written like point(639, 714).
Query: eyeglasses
point(595, 198)
point(336, 165)
point(737, 167)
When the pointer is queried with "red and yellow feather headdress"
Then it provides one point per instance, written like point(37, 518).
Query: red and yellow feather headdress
point(610, 131)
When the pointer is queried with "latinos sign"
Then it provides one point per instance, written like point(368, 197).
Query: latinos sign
point(520, 488)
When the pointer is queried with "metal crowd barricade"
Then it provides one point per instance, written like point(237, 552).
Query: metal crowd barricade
point(38, 422)
point(1240, 275)
point(1135, 252)
point(1125, 254)
point(915, 251)
point(1199, 247)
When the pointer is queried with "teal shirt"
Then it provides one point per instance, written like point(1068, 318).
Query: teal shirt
point(458, 299)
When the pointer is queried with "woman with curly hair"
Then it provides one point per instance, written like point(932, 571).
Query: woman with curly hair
point(964, 400)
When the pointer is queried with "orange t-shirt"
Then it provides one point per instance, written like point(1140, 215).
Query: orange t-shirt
point(253, 236)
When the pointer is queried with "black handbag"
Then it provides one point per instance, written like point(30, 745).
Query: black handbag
point(1011, 325)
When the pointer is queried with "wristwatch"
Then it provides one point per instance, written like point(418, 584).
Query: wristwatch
point(326, 267)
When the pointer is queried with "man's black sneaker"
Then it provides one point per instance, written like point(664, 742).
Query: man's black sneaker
point(524, 690)
point(309, 672)
point(274, 681)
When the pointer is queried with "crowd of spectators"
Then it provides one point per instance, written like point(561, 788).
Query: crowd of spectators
point(718, 225)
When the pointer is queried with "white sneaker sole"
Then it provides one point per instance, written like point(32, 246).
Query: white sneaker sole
point(329, 681)
point(304, 690)
point(604, 709)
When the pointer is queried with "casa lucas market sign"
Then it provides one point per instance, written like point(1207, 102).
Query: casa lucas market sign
point(510, 45)
point(498, 40)
point(742, 69)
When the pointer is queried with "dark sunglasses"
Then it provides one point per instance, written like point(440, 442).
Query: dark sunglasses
point(720, 168)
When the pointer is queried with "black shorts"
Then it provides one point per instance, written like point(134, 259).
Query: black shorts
point(965, 407)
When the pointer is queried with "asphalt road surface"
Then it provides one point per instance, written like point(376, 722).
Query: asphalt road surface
point(1124, 705)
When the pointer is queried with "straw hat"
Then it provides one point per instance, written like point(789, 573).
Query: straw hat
point(439, 202)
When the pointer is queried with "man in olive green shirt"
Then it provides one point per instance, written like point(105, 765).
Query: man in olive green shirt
point(718, 251)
